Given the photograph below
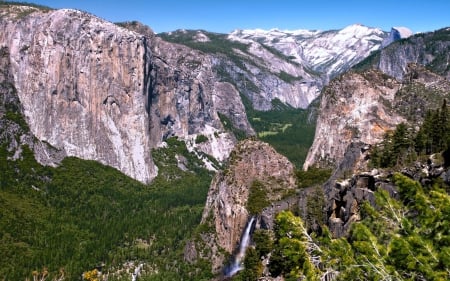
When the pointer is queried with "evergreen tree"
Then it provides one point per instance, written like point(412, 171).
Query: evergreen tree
point(315, 205)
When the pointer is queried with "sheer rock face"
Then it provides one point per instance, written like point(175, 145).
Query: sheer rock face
point(226, 205)
point(358, 108)
point(186, 97)
point(81, 83)
point(101, 92)
point(354, 108)
point(428, 49)
point(13, 133)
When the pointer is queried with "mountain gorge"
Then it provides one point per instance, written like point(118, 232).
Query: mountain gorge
point(291, 66)
point(101, 92)
point(179, 122)
point(324, 53)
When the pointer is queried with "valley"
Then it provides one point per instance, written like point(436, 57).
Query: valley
point(194, 155)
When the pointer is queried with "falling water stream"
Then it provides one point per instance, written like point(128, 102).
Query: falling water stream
point(236, 264)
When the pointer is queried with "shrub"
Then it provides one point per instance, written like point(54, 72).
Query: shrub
point(201, 139)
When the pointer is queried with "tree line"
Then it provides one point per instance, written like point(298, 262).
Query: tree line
point(406, 144)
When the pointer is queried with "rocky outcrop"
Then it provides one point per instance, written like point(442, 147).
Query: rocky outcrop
point(396, 33)
point(185, 98)
point(103, 92)
point(345, 199)
point(355, 107)
point(346, 194)
point(14, 132)
point(428, 49)
point(226, 205)
point(359, 107)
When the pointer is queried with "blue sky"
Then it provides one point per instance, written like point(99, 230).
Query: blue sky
point(227, 15)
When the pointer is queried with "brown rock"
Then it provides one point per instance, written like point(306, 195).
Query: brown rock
point(227, 198)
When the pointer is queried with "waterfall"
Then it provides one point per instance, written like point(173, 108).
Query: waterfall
point(236, 264)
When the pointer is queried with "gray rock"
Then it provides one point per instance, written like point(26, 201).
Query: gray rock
point(336, 226)
point(98, 91)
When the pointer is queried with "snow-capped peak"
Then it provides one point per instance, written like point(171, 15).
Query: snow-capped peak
point(274, 32)
point(359, 30)
point(324, 52)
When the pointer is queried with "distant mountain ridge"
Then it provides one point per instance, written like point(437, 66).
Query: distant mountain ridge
point(326, 52)
point(292, 66)
point(429, 49)
point(398, 83)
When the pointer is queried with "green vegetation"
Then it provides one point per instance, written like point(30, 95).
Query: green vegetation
point(290, 257)
point(315, 209)
point(257, 199)
point(406, 239)
point(263, 242)
point(84, 214)
point(404, 145)
point(413, 100)
point(289, 130)
point(23, 13)
point(201, 139)
point(217, 44)
point(18, 3)
point(312, 177)
point(286, 77)
point(228, 125)
point(279, 54)
point(368, 63)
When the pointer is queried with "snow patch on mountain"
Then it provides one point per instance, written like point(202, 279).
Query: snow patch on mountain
point(322, 53)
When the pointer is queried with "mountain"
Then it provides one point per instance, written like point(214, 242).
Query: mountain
point(291, 66)
point(102, 92)
point(187, 186)
point(396, 84)
point(428, 49)
point(260, 73)
point(324, 53)
point(397, 33)
point(105, 92)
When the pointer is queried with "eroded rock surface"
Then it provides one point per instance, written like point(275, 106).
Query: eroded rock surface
point(226, 205)
point(103, 92)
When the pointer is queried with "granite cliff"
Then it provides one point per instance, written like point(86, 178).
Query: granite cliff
point(227, 207)
point(428, 49)
point(103, 92)
point(353, 108)
point(14, 131)
point(360, 107)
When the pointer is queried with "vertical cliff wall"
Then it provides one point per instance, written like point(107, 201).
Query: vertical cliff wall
point(226, 209)
point(81, 83)
point(355, 107)
point(428, 49)
point(104, 92)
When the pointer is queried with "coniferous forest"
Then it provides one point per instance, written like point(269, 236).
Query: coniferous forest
point(82, 220)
